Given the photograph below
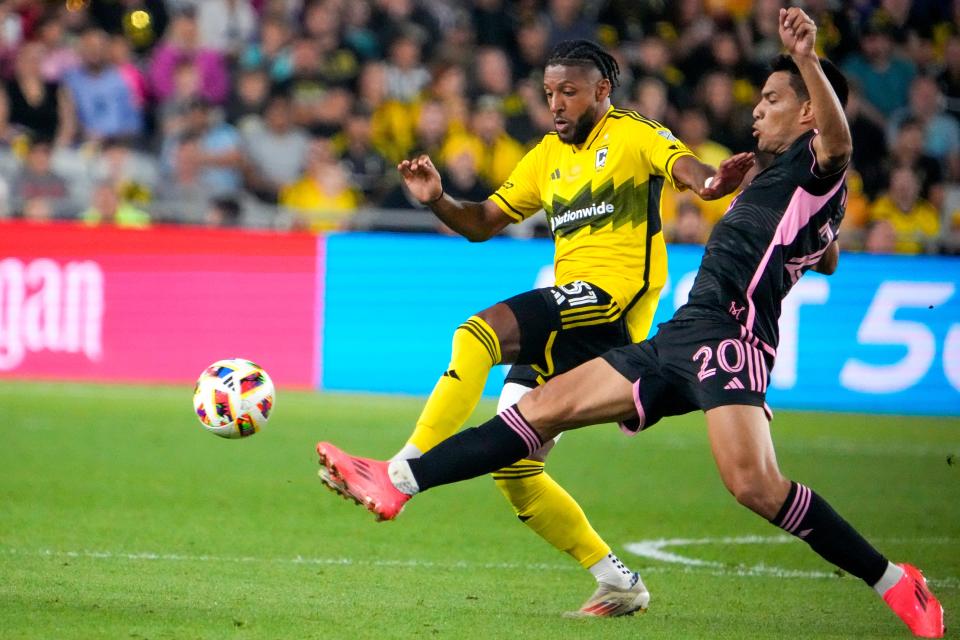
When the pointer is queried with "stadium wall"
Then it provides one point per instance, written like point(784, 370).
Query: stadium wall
point(375, 312)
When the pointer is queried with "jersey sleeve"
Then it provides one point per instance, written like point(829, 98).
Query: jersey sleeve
point(811, 178)
point(519, 195)
point(663, 149)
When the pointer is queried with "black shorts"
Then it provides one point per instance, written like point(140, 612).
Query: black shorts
point(562, 327)
point(693, 364)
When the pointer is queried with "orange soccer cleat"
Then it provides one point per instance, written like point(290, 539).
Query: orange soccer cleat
point(913, 602)
point(363, 480)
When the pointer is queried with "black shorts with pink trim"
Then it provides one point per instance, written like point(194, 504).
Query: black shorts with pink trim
point(690, 365)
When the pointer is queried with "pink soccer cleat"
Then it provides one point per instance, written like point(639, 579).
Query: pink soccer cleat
point(363, 480)
point(912, 601)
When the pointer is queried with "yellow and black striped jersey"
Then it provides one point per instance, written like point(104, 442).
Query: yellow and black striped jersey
point(602, 202)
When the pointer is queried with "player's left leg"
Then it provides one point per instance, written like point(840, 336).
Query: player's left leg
point(548, 510)
point(744, 453)
point(486, 339)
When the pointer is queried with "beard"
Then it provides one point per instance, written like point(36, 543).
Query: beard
point(582, 128)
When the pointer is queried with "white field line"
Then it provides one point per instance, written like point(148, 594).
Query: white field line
point(655, 550)
point(650, 549)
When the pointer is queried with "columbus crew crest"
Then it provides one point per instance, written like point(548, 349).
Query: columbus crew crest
point(601, 160)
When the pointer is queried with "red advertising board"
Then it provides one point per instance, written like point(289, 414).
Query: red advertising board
point(156, 305)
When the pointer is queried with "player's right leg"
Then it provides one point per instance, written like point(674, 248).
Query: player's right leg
point(548, 510)
point(484, 340)
point(743, 450)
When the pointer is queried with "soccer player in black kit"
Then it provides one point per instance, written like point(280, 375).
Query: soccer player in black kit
point(716, 352)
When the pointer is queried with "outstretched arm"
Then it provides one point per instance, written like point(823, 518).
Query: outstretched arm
point(710, 183)
point(834, 145)
point(475, 221)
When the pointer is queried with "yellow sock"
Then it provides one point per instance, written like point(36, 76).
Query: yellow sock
point(476, 349)
point(546, 507)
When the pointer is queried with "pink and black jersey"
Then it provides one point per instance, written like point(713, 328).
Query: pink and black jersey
point(775, 230)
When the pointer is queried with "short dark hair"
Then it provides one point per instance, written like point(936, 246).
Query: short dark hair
point(783, 62)
point(586, 53)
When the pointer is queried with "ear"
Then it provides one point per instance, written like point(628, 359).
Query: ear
point(807, 116)
point(603, 90)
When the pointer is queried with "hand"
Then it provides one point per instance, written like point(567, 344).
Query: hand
point(797, 32)
point(729, 175)
point(421, 178)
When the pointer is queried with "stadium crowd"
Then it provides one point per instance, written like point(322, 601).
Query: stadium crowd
point(293, 113)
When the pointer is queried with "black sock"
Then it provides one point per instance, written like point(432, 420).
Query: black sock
point(809, 517)
point(493, 445)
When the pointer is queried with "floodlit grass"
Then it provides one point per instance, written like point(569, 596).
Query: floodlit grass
point(121, 518)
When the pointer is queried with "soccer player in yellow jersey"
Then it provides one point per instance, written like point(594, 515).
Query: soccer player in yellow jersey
point(598, 178)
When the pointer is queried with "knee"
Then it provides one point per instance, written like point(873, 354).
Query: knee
point(762, 493)
point(545, 412)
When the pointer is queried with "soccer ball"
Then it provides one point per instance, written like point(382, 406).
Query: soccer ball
point(233, 398)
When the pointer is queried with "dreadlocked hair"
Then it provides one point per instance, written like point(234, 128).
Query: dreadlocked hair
point(586, 52)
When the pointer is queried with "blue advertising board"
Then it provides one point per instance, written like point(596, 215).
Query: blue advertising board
point(880, 335)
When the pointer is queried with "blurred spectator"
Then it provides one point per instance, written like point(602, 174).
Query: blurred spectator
point(880, 237)
point(432, 130)
point(30, 103)
point(406, 75)
point(218, 156)
point(651, 101)
point(497, 151)
point(11, 33)
point(915, 220)
point(869, 143)
point(357, 33)
point(759, 34)
point(105, 106)
point(366, 166)
point(949, 78)
point(723, 53)
point(532, 48)
point(122, 58)
point(729, 125)
point(392, 121)
point(225, 25)
point(223, 212)
point(181, 44)
point(941, 132)
point(37, 181)
point(276, 152)
point(404, 18)
point(271, 51)
point(320, 103)
point(653, 60)
point(884, 75)
point(567, 20)
point(181, 196)
point(58, 55)
point(494, 23)
point(693, 129)
point(836, 36)
point(132, 173)
point(248, 100)
point(688, 226)
point(106, 207)
point(322, 198)
point(461, 178)
point(495, 78)
point(908, 151)
point(37, 210)
point(323, 26)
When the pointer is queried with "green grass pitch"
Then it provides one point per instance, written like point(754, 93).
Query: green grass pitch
point(121, 518)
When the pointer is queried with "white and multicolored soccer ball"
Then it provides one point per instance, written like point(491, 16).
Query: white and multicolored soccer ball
point(233, 398)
